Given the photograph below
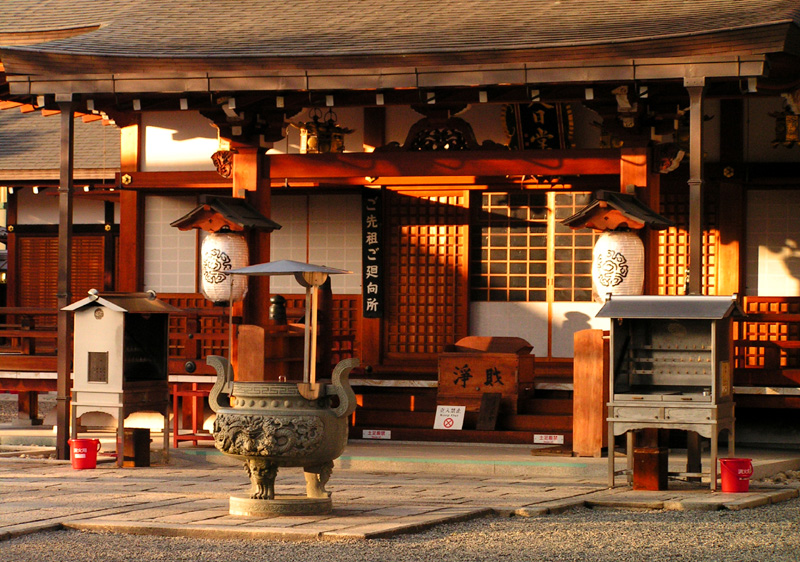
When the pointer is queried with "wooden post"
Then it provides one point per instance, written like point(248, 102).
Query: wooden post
point(251, 181)
point(636, 172)
point(64, 361)
point(695, 86)
point(131, 210)
point(591, 391)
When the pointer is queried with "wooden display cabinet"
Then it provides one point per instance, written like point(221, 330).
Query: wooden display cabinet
point(671, 369)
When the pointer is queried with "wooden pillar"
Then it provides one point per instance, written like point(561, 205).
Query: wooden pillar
point(109, 249)
point(374, 127)
point(64, 359)
point(12, 273)
point(131, 223)
point(251, 181)
point(695, 86)
point(731, 216)
point(637, 177)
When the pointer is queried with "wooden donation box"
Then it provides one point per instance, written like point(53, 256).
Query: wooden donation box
point(476, 365)
point(670, 362)
point(120, 358)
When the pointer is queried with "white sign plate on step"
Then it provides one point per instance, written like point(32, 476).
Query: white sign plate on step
point(449, 417)
point(547, 439)
point(376, 434)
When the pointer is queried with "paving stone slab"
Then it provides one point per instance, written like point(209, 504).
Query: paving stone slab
point(407, 524)
point(218, 532)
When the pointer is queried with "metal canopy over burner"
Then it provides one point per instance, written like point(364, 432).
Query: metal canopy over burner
point(687, 307)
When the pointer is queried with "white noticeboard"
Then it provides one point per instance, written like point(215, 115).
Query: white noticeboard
point(449, 417)
point(376, 434)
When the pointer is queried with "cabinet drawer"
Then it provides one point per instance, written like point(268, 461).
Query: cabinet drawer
point(638, 414)
point(691, 415)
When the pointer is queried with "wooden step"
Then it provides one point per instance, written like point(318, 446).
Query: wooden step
point(543, 406)
point(537, 424)
point(383, 419)
point(408, 401)
point(462, 436)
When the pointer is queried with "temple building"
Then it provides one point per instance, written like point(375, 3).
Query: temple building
point(434, 150)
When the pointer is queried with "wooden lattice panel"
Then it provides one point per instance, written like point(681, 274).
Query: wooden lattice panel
point(38, 280)
point(345, 323)
point(777, 324)
point(427, 273)
point(673, 245)
point(196, 322)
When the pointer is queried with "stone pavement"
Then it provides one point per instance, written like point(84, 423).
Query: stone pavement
point(379, 489)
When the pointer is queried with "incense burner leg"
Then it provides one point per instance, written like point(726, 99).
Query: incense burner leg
point(262, 477)
point(316, 478)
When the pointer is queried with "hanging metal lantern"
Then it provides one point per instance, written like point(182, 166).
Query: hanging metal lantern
point(617, 265)
point(322, 134)
point(221, 252)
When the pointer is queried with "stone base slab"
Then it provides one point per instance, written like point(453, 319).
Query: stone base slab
point(281, 505)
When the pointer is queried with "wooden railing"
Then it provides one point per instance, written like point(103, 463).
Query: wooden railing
point(28, 339)
point(767, 352)
point(28, 336)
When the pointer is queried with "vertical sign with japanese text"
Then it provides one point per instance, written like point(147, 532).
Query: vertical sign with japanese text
point(372, 259)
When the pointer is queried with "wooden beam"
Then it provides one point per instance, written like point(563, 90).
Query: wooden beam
point(175, 180)
point(462, 163)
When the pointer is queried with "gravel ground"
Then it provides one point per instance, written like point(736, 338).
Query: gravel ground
point(761, 535)
point(8, 406)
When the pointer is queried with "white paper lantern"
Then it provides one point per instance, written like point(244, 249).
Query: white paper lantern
point(221, 252)
point(617, 265)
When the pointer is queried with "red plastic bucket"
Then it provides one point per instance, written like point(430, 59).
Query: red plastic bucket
point(84, 453)
point(736, 474)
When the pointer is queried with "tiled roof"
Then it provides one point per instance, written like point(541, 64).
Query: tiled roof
point(30, 141)
point(296, 28)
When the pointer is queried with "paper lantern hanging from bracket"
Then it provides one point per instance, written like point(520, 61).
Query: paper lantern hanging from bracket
point(221, 252)
point(617, 265)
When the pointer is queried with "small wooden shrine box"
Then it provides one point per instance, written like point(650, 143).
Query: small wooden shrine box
point(121, 345)
point(478, 365)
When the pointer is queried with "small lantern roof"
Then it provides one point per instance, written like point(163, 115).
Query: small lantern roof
point(612, 210)
point(233, 213)
point(137, 303)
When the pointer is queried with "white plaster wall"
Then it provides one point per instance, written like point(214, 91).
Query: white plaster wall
point(526, 320)
point(571, 317)
point(170, 255)
point(319, 229)
point(773, 243)
point(178, 141)
point(43, 208)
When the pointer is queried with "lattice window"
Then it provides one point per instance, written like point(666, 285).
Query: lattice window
point(427, 282)
point(522, 244)
point(673, 245)
point(572, 277)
